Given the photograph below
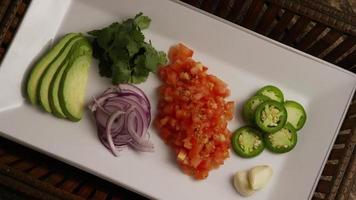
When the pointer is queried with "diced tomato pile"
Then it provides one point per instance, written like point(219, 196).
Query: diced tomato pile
point(193, 113)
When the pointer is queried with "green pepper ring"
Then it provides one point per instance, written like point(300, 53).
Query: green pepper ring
point(275, 90)
point(282, 121)
point(237, 148)
point(248, 113)
point(297, 105)
point(282, 149)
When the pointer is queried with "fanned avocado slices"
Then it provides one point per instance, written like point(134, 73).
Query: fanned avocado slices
point(48, 75)
point(58, 81)
point(37, 71)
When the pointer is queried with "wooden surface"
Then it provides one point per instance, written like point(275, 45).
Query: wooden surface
point(34, 175)
point(317, 29)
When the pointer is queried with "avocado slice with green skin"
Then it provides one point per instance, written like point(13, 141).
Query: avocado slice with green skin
point(46, 78)
point(74, 79)
point(53, 92)
point(37, 71)
point(54, 87)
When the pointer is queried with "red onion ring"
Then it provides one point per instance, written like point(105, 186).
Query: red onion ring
point(123, 115)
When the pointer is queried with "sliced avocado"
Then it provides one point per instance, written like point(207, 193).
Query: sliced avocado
point(74, 79)
point(53, 91)
point(41, 65)
point(47, 76)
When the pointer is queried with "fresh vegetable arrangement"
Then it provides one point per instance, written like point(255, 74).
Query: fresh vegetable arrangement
point(274, 124)
point(58, 81)
point(193, 113)
point(123, 53)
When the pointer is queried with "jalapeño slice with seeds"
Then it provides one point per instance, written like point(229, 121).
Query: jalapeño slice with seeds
point(251, 105)
point(271, 116)
point(247, 142)
point(271, 92)
point(281, 141)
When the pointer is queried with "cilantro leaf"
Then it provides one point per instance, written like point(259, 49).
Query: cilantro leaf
point(162, 58)
point(139, 75)
point(121, 73)
point(105, 68)
point(139, 61)
point(107, 35)
point(138, 36)
point(117, 54)
point(151, 58)
point(142, 21)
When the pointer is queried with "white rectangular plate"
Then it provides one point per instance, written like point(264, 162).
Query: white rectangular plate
point(241, 58)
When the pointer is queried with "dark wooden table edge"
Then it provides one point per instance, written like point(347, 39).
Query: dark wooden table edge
point(341, 186)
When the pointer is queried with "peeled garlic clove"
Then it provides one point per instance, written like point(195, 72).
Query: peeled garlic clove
point(242, 185)
point(259, 176)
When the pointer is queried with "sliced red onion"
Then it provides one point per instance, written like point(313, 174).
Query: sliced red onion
point(128, 87)
point(109, 123)
point(123, 115)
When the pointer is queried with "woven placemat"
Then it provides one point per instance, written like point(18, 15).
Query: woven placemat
point(27, 174)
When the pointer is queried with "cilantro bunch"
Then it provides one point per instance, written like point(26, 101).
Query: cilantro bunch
point(123, 53)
